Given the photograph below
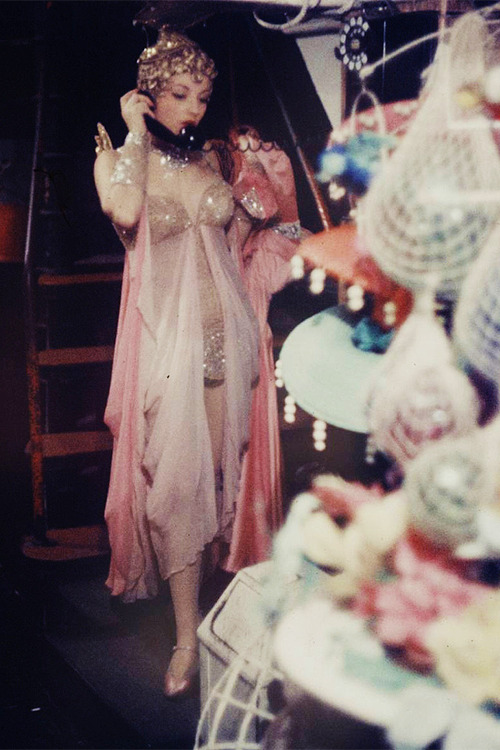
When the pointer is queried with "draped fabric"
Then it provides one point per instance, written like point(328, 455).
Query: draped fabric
point(163, 504)
point(264, 263)
point(132, 556)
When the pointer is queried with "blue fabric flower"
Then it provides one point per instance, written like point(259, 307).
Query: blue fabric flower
point(370, 337)
point(355, 162)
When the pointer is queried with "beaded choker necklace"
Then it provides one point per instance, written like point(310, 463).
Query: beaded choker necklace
point(176, 151)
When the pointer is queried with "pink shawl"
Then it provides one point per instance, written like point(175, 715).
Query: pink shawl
point(264, 262)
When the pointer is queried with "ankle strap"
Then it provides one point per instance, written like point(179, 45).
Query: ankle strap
point(185, 648)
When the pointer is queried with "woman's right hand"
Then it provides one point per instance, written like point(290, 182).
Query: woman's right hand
point(134, 106)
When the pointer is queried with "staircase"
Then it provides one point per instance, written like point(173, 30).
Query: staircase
point(71, 310)
point(61, 442)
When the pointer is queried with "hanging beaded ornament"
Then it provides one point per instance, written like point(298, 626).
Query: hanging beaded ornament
point(448, 483)
point(419, 396)
point(426, 211)
point(476, 328)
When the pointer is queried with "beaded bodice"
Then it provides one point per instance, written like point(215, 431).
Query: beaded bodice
point(169, 216)
point(185, 192)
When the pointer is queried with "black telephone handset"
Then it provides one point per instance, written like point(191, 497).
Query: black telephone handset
point(190, 138)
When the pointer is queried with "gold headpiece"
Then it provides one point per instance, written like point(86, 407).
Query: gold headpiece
point(172, 53)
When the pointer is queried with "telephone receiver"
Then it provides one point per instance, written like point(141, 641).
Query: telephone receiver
point(190, 138)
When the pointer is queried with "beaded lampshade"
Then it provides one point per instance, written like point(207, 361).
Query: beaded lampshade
point(419, 395)
point(432, 205)
point(476, 330)
point(342, 255)
point(448, 483)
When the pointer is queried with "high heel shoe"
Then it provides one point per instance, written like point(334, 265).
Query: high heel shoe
point(178, 686)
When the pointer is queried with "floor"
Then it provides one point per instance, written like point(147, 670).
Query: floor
point(30, 714)
point(77, 671)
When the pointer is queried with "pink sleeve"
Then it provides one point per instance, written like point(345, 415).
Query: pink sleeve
point(279, 171)
point(255, 192)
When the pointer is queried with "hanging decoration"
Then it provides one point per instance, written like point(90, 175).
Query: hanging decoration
point(289, 409)
point(319, 434)
point(419, 564)
point(431, 206)
point(418, 394)
point(476, 327)
point(448, 482)
point(350, 166)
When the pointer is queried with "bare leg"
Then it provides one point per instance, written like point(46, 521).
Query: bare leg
point(184, 585)
point(214, 407)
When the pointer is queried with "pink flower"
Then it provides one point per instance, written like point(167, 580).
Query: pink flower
point(428, 586)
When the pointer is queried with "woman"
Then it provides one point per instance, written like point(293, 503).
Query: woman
point(186, 354)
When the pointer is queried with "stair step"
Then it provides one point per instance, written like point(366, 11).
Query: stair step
point(72, 443)
point(68, 544)
point(75, 356)
point(49, 279)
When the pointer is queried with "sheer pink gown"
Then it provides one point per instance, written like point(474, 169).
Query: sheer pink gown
point(185, 324)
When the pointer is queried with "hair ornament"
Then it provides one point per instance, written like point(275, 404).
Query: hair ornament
point(173, 53)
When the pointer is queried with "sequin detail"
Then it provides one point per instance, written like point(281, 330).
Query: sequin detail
point(211, 199)
point(173, 159)
point(124, 172)
point(166, 217)
point(131, 166)
point(214, 360)
point(253, 205)
point(173, 53)
point(216, 205)
point(291, 230)
point(138, 139)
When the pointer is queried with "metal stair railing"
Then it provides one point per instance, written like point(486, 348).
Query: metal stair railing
point(33, 371)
